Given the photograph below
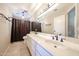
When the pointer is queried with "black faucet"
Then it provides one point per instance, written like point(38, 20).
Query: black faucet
point(56, 37)
point(61, 40)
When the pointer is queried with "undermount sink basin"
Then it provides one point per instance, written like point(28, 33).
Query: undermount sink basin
point(56, 44)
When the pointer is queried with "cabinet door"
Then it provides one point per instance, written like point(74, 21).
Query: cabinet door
point(25, 42)
point(33, 47)
point(42, 51)
point(29, 43)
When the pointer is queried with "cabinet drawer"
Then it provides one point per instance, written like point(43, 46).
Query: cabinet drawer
point(42, 51)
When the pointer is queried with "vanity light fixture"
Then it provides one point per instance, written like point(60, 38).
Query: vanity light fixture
point(51, 8)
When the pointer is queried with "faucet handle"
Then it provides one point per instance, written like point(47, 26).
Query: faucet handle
point(61, 40)
point(56, 37)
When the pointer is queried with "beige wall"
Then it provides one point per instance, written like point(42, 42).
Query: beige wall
point(5, 34)
point(5, 30)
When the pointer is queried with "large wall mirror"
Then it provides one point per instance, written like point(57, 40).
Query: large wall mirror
point(63, 20)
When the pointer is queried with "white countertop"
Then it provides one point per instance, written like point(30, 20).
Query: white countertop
point(61, 50)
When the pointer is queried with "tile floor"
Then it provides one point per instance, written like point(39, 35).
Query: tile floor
point(17, 49)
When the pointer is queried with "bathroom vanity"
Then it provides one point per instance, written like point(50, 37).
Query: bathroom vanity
point(42, 44)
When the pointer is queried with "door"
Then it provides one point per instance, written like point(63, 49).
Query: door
point(19, 29)
point(71, 23)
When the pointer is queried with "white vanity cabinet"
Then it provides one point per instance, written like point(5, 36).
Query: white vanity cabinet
point(39, 46)
point(35, 48)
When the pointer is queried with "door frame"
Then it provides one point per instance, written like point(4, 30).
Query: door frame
point(73, 6)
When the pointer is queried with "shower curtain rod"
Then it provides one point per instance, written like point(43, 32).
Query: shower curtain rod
point(4, 17)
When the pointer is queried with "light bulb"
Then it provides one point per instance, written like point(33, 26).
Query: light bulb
point(22, 17)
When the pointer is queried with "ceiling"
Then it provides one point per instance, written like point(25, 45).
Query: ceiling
point(12, 7)
point(33, 9)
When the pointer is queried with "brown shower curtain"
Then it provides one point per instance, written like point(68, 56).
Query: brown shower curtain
point(19, 29)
